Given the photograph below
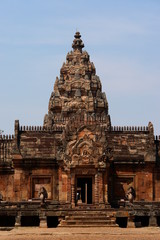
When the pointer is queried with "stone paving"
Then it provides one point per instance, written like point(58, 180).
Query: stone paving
point(101, 233)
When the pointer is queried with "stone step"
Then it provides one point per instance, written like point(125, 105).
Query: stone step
point(90, 218)
point(89, 221)
point(89, 225)
point(87, 217)
point(91, 213)
point(80, 213)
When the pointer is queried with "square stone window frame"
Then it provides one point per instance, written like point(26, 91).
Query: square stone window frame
point(50, 177)
point(124, 176)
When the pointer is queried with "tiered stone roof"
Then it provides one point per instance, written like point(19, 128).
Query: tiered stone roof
point(78, 88)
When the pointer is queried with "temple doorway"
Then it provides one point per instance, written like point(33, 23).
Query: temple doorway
point(84, 190)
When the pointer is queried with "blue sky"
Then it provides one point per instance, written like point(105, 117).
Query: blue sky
point(122, 38)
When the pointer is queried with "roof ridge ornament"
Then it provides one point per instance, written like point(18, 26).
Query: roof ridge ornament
point(77, 42)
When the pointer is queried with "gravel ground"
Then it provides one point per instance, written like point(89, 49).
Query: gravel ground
point(101, 233)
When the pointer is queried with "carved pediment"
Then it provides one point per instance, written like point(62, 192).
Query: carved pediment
point(84, 153)
point(86, 146)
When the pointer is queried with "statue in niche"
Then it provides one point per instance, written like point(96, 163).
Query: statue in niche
point(43, 194)
point(130, 194)
point(85, 153)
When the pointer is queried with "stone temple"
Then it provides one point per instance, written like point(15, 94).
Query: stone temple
point(77, 169)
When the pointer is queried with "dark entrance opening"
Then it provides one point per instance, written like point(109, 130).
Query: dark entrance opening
point(84, 190)
point(122, 221)
point(141, 221)
point(30, 221)
point(52, 222)
point(158, 221)
point(7, 221)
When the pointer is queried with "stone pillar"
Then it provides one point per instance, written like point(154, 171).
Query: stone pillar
point(131, 223)
point(17, 185)
point(59, 184)
point(153, 221)
point(96, 189)
point(101, 188)
point(68, 187)
point(18, 220)
point(73, 190)
point(105, 189)
point(43, 220)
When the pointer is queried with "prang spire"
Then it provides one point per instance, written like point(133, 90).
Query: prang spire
point(77, 42)
point(78, 89)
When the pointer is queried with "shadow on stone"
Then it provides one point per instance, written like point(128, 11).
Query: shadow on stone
point(52, 222)
point(30, 221)
point(141, 221)
point(122, 221)
point(7, 221)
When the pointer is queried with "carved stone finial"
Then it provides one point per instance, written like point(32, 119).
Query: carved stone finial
point(150, 127)
point(77, 42)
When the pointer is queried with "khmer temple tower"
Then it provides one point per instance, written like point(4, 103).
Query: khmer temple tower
point(85, 165)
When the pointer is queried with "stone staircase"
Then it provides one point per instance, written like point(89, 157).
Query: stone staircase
point(91, 218)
